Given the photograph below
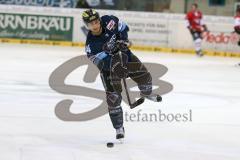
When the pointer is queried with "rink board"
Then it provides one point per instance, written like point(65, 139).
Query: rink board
point(148, 31)
point(134, 47)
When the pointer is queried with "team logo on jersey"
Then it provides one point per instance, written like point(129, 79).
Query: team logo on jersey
point(111, 25)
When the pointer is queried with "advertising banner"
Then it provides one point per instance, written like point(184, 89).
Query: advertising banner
point(25, 26)
point(48, 3)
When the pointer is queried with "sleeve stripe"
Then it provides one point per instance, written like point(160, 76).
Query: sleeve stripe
point(98, 57)
point(101, 55)
point(121, 26)
point(237, 22)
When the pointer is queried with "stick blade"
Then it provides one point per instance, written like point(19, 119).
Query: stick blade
point(137, 103)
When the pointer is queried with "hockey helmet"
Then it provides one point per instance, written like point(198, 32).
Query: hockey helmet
point(90, 15)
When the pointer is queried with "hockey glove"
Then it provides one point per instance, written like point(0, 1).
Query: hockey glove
point(113, 47)
point(123, 45)
point(205, 29)
point(110, 47)
point(237, 29)
point(191, 29)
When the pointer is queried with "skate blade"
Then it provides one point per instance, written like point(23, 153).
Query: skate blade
point(121, 140)
point(155, 99)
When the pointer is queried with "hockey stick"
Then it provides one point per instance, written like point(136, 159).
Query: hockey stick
point(138, 101)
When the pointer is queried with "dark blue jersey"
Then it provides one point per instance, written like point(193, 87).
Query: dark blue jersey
point(112, 29)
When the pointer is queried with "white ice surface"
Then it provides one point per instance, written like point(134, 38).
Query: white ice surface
point(29, 129)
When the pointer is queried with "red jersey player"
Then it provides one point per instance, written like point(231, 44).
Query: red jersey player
point(196, 27)
point(237, 23)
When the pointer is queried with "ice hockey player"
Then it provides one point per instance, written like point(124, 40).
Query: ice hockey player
point(237, 23)
point(196, 27)
point(106, 37)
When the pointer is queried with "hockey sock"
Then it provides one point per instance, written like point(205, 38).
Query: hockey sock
point(116, 116)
